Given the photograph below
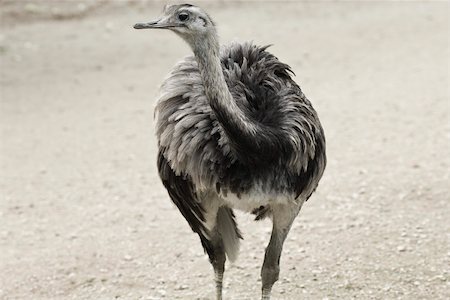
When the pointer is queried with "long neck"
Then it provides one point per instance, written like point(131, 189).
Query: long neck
point(241, 130)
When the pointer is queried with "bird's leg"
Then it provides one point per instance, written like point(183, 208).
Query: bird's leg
point(282, 217)
point(215, 247)
point(218, 262)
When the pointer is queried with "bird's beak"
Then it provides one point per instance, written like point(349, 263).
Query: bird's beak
point(161, 24)
point(153, 24)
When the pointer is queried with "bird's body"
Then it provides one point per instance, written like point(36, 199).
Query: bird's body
point(235, 132)
point(195, 144)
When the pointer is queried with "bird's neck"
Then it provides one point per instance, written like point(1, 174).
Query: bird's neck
point(239, 128)
point(207, 53)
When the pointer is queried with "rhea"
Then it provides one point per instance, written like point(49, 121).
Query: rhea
point(234, 132)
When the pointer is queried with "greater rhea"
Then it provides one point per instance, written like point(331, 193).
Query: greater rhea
point(234, 132)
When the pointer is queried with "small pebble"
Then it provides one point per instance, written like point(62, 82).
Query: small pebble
point(182, 287)
point(127, 257)
point(401, 248)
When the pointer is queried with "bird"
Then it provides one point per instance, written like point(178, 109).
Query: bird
point(235, 132)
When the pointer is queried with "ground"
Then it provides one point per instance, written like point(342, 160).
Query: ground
point(83, 213)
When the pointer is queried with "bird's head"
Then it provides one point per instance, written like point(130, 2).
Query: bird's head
point(188, 21)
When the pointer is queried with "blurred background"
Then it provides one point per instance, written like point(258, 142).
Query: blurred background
point(83, 214)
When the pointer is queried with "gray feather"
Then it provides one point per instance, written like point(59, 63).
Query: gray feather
point(197, 144)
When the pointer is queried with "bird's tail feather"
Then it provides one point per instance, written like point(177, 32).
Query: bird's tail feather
point(228, 230)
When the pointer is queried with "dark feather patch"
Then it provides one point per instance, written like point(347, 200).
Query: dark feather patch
point(233, 219)
point(303, 180)
point(183, 195)
point(261, 212)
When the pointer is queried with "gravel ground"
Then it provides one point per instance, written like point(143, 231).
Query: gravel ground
point(83, 213)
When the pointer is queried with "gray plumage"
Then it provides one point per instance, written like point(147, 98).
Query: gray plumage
point(234, 131)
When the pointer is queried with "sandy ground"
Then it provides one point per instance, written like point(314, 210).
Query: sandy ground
point(83, 213)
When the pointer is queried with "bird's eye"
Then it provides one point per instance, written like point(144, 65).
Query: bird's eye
point(183, 16)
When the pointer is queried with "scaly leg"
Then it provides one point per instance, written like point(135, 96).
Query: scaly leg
point(216, 253)
point(219, 268)
point(213, 244)
point(282, 216)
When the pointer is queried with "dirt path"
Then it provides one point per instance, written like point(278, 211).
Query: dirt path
point(84, 216)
